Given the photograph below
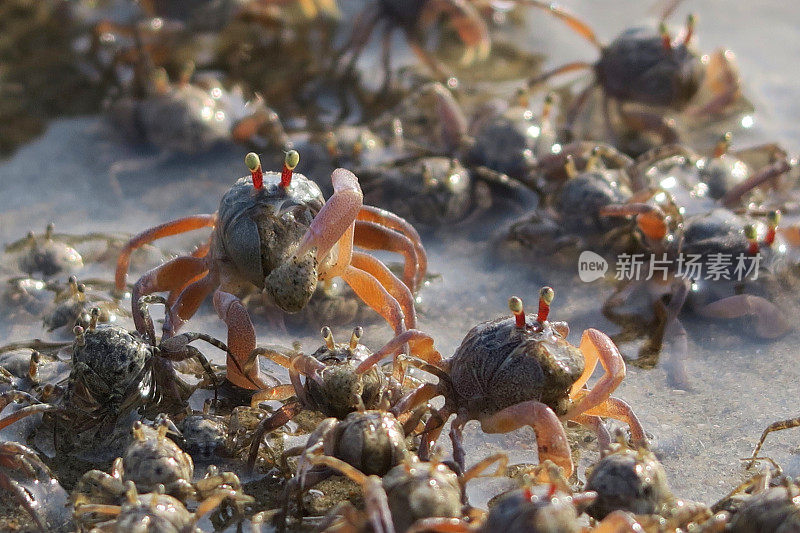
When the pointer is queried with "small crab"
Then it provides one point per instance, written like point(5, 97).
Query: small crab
point(113, 373)
point(644, 65)
point(153, 513)
point(411, 495)
point(413, 17)
point(48, 254)
point(72, 305)
point(529, 375)
point(33, 486)
point(276, 232)
point(152, 460)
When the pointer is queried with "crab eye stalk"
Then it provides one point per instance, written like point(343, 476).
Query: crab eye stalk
point(546, 295)
point(289, 162)
point(666, 40)
point(547, 108)
point(327, 336)
point(254, 164)
point(690, 20)
point(358, 331)
point(773, 219)
point(80, 339)
point(95, 314)
point(723, 145)
point(515, 304)
point(570, 168)
point(594, 159)
point(751, 234)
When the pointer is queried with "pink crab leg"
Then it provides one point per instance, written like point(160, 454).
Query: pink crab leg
point(391, 283)
point(372, 236)
point(181, 225)
point(27, 411)
point(390, 220)
point(778, 168)
point(170, 276)
point(422, 347)
point(376, 296)
point(241, 342)
point(563, 69)
point(418, 396)
point(189, 300)
point(596, 345)
point(336, 215)
point(550, 436)
point(280, 392)
point(620, 410)
point(596, 423)
point(344, 255)
point(573, 22)
point(769, 320)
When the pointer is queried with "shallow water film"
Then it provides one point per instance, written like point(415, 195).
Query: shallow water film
point(656, 148)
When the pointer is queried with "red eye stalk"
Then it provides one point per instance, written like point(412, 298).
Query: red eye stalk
point(289, 162)
point(723, 145)
point(546, 296)
point(689, 29)
point(515, 304)
point(751, 234)
point(254, 164)
point(666, 40)
point(773, 219)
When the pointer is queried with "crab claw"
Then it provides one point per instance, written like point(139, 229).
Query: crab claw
point(469, 25)
point(651, 219)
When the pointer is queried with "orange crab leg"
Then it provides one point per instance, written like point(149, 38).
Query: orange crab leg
point(650, 219)
point(370, 290)
point(469, 25)
point(595, 346)
point(391, 283)
point(189, 300)
point(241, 342)
point(573, 22)
point(372, 236)
point(181, 225)
point(620, 410)
point(422, 347)
point(170, 276)
point(388, 219)
point(550, 436)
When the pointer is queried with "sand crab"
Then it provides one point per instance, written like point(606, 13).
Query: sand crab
point(113, 373)
point(645, 65)
point(152, 460)
point(276, 232)
point(157, 512)
point(413, 17)
point(529, 375)
point(409, 495)
point(33, 486)
point(190, 117)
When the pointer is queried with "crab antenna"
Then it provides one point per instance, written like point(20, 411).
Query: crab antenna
point(95, 313)
point(723, 145)
point(773, 219)
point(327, 335)
point(751, 234)
point(666, 40)
point(80, 340)
point(48, 231)
point(73, 285)
point(516, 306)
point(289, 162)
point(358, 331)
point(570, 168)
point(690, 20)
point(253, 162)
point(546, 295)
point(138, 432)
point(594, 159)
point(33, 366)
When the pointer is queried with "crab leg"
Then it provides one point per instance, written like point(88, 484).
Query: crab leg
point(550, 436)
point(170, 276)
point(181, 225)
point(650, 218)
point(276, 420)
point(188, 301)
point(563, 69)
point(573, 22)
point(620, 410)
point(422, 348)
point(767, 173)
point(388, 219)
point(595, 346)
point(596, 423)
point(372, 236)
point(769, 320)
point(388, 280)
point(370, 290)
point(468, 24)
point(241, 342)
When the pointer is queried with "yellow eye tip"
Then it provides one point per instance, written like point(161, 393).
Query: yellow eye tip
point(547, 294)
point(292, 159)
point(515, 304)
point(252, 161)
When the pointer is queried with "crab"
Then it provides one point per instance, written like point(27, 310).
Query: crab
point(646, 66)
point(113, 373)
point(32, 485)
point(373, 442)
point(337, 383)
point(409, 495)
point(191, 117)
point(152, 460)
point(274, 231)
point(153, 512)
point(529, 375)
point(413, 17)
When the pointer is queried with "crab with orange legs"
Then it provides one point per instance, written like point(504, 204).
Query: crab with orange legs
point(530, 376)
point(701, 215)
point(413, 18)
point(337, 383)
point(276, 232)
point(646, 66)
